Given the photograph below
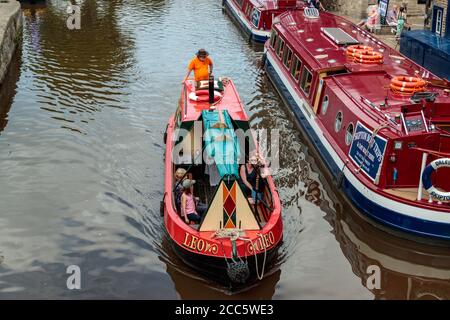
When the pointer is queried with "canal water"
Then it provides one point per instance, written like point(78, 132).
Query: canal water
point(82, 116)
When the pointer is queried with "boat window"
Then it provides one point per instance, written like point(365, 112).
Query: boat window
point(287, 57)
point(255, 17)
point(306, 81)
point(249, 9)
point(273, 39)
point(280, 47)
point(338, 122)
point(296, 67)
point(349, 134)
point(325, 103)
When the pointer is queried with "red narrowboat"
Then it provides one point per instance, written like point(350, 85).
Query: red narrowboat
point(209, 139)
point(379, 121)
point(255, 16)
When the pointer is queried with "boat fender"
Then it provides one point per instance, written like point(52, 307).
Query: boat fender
point(203, 96)
point(165, 135)
point(426, 179)
point(162, 205)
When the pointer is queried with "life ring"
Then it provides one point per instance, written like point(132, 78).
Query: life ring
point(426, 179)
point(204, 85)
point(203, 96)
point(351, 50)
point(368, 57)
point(408, 82)
point(405, 89)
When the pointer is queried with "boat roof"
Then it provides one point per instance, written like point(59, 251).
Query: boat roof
point(322, 51)
point(362, 81)
point(230, 101)
point(272, 4)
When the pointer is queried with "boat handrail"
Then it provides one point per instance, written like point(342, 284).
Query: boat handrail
point(433, 152)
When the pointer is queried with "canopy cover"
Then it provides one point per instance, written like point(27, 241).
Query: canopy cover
point(221, 142)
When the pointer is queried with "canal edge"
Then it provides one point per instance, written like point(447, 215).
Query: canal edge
point(10, 33)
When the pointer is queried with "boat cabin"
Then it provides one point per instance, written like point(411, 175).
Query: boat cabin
point(362, 93)
point(262, 12)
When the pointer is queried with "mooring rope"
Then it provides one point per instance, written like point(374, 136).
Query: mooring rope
point(260, 277)
point(235, 234)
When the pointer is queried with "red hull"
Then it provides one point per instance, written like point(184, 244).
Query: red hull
point(202, 243)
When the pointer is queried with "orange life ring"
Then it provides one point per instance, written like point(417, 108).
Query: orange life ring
point(369, 58)
point(362, 61)
point(203, 96)
point(408, 82)
point(358, 49)
point(405, 90)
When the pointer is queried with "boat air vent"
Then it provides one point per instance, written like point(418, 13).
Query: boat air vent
point(339, 36)
point(300, 31)
point(311, 13)
point(309, 40)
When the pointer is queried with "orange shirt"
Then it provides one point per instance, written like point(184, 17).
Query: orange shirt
point(200, 68)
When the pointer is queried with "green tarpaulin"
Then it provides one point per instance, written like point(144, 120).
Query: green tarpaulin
point(221, 142)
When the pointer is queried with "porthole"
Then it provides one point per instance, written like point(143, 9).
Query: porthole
point(325, 103)
point(349, 134)
point(338, 122)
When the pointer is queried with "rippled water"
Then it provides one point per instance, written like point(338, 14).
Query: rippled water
point(81, 166)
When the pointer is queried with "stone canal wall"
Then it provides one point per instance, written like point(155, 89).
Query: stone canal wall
point(10, 33)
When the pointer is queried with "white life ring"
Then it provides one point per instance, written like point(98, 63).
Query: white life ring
point(428, 185)
point(203, 96)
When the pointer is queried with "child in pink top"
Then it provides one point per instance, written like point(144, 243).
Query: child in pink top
point(188, 204)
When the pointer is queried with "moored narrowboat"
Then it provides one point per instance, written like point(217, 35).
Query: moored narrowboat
point(379, 121)
point(255, 16)
point(208, 137)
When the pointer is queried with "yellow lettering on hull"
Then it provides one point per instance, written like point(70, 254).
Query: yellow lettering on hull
point(196, 244)
point(261, 244)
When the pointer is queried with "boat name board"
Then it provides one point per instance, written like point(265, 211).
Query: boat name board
point(263, 243)
point(194, 243)
point(367, 150)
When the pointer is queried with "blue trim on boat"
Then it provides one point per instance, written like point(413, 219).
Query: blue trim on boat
point(374, 210)
point(254, 37)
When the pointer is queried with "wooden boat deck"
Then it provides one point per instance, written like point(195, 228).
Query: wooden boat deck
point(407, 193)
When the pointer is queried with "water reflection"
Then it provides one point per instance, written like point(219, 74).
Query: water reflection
point(77, 72)
point(8, 88)
point(408, 270)
point(92, 199)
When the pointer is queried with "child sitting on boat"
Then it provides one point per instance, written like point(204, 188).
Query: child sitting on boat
point(191, 207)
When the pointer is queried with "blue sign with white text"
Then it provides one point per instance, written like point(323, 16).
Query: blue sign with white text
point(367, 151)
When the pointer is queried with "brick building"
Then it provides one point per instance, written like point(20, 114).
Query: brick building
point(439, 20)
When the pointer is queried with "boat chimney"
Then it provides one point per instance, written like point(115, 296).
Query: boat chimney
point(211, 89)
